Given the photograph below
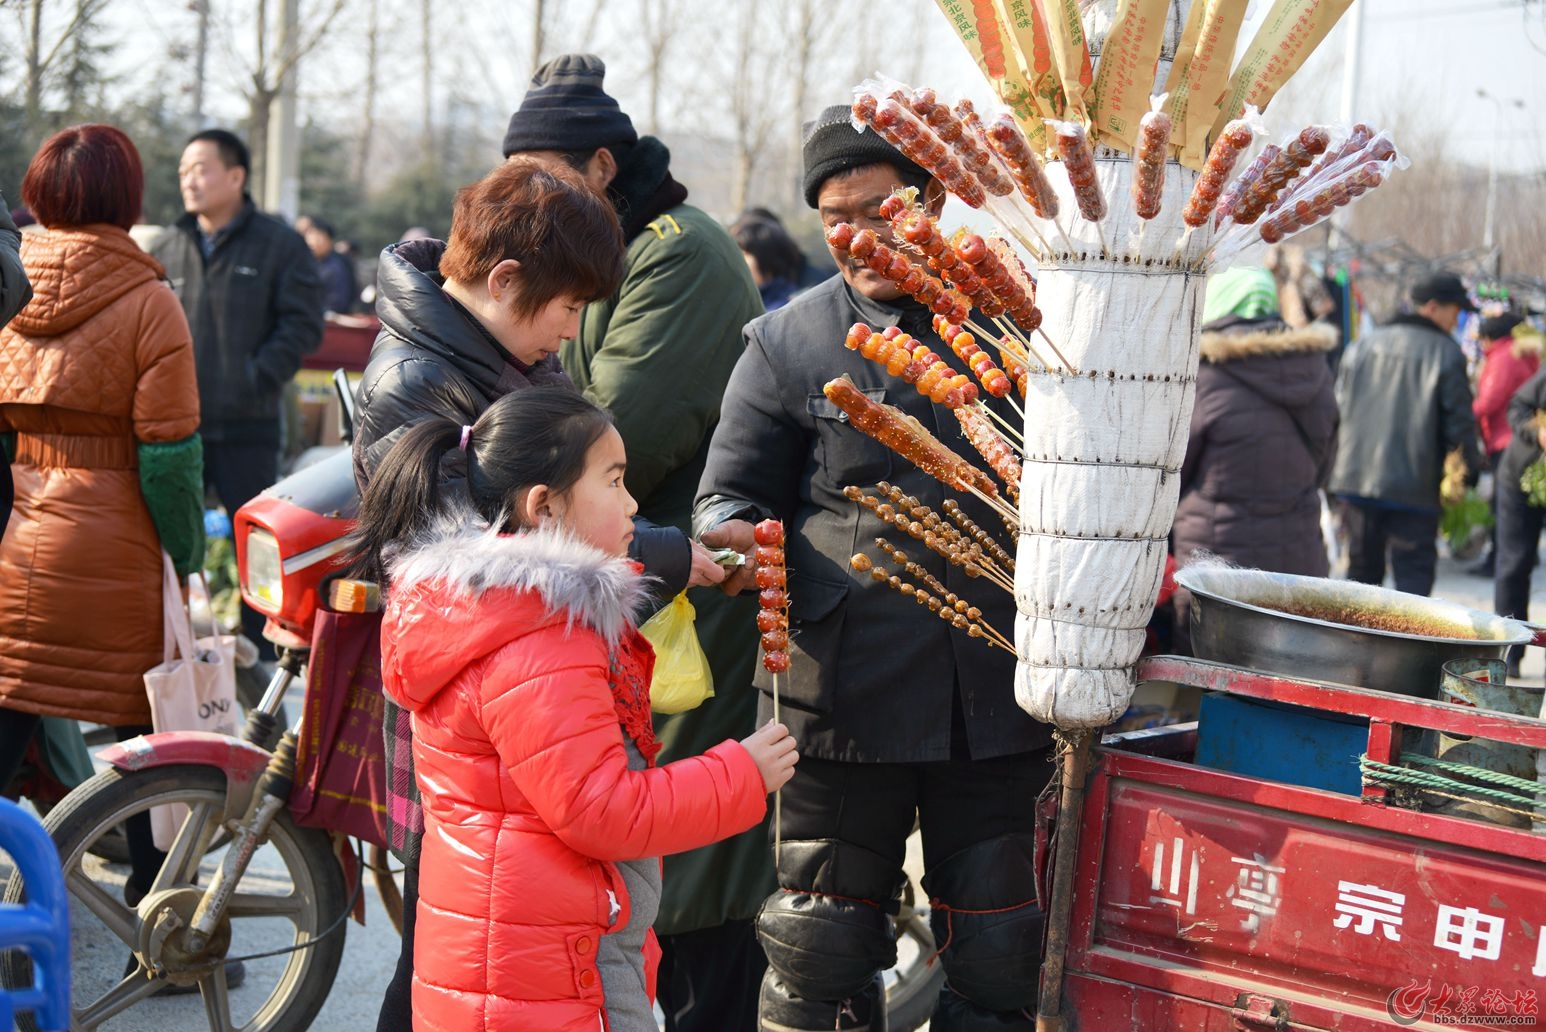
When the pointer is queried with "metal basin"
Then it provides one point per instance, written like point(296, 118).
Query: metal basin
point(1233, 621)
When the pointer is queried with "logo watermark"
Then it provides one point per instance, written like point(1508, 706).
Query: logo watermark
point(1472, 1006)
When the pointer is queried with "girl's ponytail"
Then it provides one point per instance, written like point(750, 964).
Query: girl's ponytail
point(403, 499)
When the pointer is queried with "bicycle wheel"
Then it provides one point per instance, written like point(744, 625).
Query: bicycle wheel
point(292, 895)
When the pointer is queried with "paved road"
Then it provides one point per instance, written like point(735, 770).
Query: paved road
point(371, 951)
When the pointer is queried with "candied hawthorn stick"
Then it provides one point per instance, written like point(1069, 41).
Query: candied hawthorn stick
point(1284, 167)
point(903, 356)
point(1238, 189)
point(999, 279)
point(1357, 139)
point(993, 447)
point(916, 282)
point(772, 597)
point(1079, 162)
point(903, 130)
point(1222, 158)
point(907, 437)
point(970, 149)
point(1010, 144)
point(912, 517)
point(993, 379)
point(1149, 163)
point(1302, 214)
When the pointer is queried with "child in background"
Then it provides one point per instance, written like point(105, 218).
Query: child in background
point(509, 635)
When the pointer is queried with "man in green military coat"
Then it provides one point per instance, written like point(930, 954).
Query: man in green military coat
point(658, 354)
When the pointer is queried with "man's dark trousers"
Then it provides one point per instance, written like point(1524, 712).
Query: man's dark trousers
point(1409, 535)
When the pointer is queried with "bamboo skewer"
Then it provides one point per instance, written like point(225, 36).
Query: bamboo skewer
point(778, 794)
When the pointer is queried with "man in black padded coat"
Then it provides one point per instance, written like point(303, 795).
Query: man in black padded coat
point(899, 717)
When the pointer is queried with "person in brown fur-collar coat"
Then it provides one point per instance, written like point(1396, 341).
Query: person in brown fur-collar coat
point(1264, 432)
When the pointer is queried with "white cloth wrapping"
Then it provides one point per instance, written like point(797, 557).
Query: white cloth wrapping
point(1103, 448)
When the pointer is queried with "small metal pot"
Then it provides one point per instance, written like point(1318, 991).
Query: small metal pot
point(1233, 621)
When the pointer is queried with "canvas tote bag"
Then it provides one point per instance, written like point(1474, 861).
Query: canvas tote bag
point(193, 688)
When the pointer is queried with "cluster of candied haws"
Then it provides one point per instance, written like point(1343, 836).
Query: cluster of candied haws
point(773, 595)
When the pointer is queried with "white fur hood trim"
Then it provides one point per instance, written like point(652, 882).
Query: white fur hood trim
point(468, 558)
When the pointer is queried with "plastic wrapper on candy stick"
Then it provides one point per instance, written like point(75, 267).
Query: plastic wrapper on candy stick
point(1295, 156)
point(1149, 157)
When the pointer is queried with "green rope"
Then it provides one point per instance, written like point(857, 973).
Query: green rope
point(1524, 785)
point(1384, 773)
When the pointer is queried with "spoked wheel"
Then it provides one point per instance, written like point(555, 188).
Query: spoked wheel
point(291, 896)
point(912, 987)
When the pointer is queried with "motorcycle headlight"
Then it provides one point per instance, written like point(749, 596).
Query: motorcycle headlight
point(263, 579)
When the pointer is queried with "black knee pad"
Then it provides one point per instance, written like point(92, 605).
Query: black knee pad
point(779, 1010)
point(828, 930)
point(985, 916)
point(955, 1013)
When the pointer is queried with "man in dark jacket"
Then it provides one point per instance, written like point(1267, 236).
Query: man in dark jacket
point(1406, 404)
point(249, 287)
point(657, 353)
point(899, 718)
point(1264, 432)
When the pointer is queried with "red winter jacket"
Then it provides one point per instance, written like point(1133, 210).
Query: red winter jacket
point(505, 649)
point(1503, 373)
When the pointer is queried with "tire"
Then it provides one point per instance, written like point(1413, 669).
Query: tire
point(292, 882)
point(912, 987)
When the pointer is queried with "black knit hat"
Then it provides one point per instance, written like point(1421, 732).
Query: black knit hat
point(1444, 287)
point(1496, 327)
point(832, 146)
point(566, 109)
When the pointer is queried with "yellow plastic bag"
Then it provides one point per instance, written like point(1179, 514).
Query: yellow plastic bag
point(682, 676)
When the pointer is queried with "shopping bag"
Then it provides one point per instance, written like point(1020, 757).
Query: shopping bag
point(193, 688)
point(682, 675)
point(340, 760)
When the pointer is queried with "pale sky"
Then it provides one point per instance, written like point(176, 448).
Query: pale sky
point(1427, 57)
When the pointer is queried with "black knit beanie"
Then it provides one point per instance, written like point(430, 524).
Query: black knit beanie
point(1496, 327)
point(566, 109)
point(832, 146)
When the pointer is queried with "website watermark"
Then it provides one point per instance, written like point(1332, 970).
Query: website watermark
point(1468, 1006)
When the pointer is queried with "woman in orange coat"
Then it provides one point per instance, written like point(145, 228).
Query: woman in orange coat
point(509, 636)
point(99, 409)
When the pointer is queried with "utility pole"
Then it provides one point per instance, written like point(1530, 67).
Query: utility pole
point(1490, 219)
point(281, 180)
point(1352, 62)
point(201, 51)
point(537, 36)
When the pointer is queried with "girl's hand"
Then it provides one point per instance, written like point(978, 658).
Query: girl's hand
point(772, 748)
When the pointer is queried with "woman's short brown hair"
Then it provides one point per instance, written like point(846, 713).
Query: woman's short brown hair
point(566, 238)
point(83, 175)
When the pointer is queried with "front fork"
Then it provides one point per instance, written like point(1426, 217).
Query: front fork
point(271, 795)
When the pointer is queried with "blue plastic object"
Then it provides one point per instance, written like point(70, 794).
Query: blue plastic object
point(216, 523)
point(41, 926)
point(1288, 744)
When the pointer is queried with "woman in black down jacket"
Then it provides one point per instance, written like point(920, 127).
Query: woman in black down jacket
point(1264, 431)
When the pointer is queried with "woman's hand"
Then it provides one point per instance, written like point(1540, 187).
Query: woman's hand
point(772, 748)
point(705, 571)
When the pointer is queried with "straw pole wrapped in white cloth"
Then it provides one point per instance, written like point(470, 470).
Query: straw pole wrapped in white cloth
point(1103, 449)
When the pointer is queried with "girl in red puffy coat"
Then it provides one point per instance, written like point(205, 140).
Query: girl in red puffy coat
point(509, 634)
